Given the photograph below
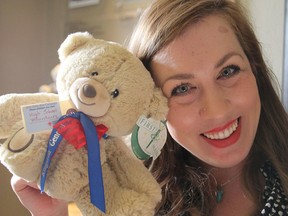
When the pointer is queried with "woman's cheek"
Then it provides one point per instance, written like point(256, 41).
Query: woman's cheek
point(179, 120)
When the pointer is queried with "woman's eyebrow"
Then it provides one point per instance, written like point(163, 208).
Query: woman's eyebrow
point(226, 57)
point(179, 76)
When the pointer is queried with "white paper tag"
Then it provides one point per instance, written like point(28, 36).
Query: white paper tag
point(148, 138)
point(41, 117)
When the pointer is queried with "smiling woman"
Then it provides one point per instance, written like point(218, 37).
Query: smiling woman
point(226, 123)
point(222, 91)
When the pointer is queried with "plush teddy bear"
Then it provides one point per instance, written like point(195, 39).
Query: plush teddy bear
point(108, 86)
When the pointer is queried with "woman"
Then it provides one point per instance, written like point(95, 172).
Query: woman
point(223, 110)
point(227, 149)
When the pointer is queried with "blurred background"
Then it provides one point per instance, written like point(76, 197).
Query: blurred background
point(31, 32)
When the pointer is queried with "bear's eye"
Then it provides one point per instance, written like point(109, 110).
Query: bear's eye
point(95, 73)
point(115, 93)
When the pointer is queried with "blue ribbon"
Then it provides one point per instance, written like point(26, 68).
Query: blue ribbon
point(97, 195)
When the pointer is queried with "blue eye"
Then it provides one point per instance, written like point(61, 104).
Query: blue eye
point(182, 89)
point(229, 71)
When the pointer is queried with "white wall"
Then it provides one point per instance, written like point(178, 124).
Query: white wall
point(268, 17)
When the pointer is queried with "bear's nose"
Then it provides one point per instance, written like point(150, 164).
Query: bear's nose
point(89, 91)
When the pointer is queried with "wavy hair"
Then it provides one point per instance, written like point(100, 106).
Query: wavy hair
point(184, 184)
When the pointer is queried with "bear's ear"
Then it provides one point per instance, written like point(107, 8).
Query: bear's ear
point(158, 107)
point(72, 42)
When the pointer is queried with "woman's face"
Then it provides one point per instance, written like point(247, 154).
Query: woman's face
point(214, 105)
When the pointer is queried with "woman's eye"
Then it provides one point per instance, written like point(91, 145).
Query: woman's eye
point(229, 71)
point(182, 89)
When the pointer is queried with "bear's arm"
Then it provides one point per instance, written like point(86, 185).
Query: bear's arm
point(10, 108)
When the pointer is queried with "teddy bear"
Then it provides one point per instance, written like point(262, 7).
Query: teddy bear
point(104, 85)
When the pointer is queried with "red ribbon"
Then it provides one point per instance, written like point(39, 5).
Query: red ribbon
point(72, 131)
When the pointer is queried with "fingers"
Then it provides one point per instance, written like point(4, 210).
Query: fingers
point(24, 190)
point(36, 202)
point(18, 184)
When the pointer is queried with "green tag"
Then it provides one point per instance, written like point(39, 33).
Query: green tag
point(148, 138)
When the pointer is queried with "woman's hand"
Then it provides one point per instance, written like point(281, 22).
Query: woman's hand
point(39, 204)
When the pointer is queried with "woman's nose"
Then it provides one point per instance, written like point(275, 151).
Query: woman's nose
point(214, 103)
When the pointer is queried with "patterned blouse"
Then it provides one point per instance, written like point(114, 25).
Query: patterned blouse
point(276, 202)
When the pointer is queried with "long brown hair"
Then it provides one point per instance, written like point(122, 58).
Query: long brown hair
point(184, 185)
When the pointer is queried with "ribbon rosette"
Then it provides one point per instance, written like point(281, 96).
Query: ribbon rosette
point(79, 130)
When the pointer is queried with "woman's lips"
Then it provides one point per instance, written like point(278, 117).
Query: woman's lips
point(224, 136)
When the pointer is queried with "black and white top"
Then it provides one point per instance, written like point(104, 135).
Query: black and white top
point(276, 202)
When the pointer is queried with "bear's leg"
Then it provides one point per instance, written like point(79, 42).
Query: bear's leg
point(22, 153)
point(138, 192)
point(20, 141)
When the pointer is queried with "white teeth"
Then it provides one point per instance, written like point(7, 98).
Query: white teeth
point(222, 134)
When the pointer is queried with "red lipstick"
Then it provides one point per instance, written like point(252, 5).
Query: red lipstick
point(225, 142)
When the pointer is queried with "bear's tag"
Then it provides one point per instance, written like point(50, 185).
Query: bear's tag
point(41, 117)
point(148, 138)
